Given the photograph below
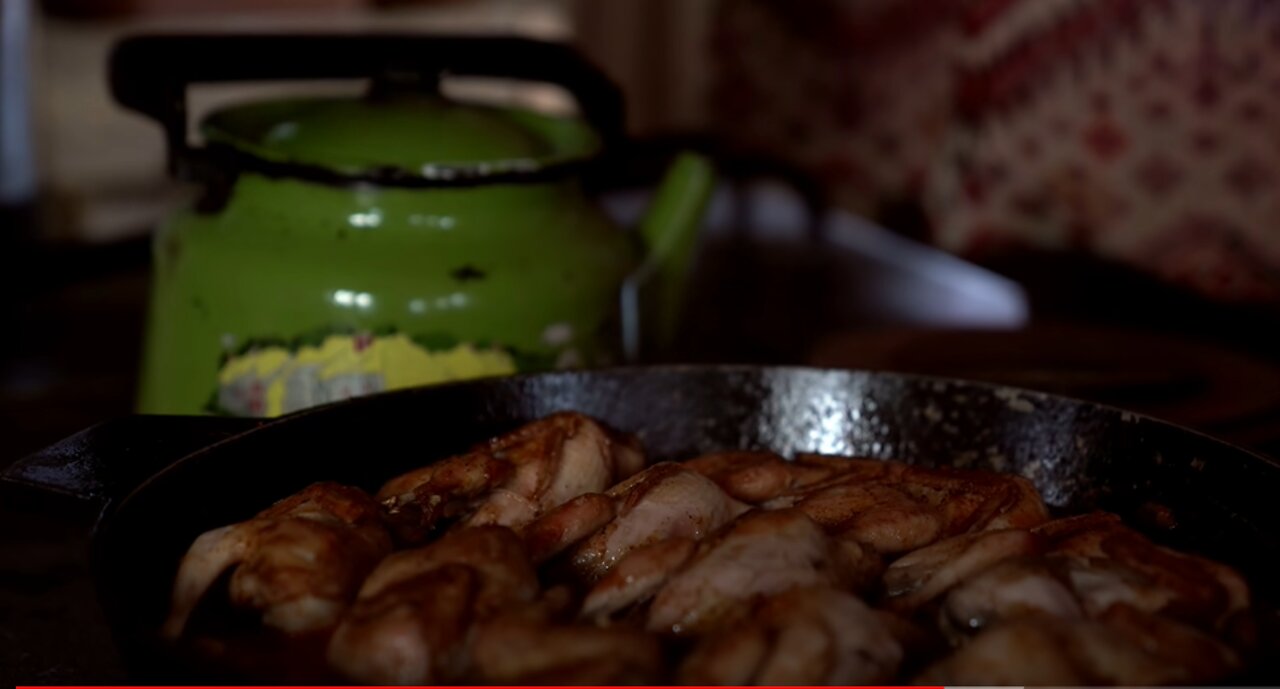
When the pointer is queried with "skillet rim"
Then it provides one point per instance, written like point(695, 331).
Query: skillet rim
point(381, 397)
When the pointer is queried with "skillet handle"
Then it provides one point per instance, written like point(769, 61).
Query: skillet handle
point(104, 463)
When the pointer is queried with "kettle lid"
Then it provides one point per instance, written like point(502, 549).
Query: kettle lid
point(419, 133)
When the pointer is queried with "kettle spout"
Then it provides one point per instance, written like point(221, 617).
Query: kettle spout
point(652, 296)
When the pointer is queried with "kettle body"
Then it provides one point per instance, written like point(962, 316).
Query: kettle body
point(296, 293)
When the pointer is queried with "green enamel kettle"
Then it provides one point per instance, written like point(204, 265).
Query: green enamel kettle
point(343, 246)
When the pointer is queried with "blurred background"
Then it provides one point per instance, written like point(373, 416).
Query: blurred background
point(1079, 196)
point(1064, 194)
point(1072, 195)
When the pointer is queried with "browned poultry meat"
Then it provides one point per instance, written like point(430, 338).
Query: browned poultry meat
point(558, 458)
point(1101, 604)
point(1017, 587)
point(512, 479)
point(522, 651)
point(898, 507)
point(761, 553)
point(756, 477)
point(417, 502)
point(298, 563)
point(893, 506)
point(731, 568)
point(411, 620)
point(637, 577)
point(1107, 563)
point(1048, 651)
point(1038, 650)
point(1071, 569)
point(568, 524)
point(1198, 658)
point(922, 575)
point(664, 501)
point(809, 636)
point(880, 515)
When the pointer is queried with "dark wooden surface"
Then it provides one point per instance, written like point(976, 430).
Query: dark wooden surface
point(72, 363)
point(51, 629)
point(1222, 391)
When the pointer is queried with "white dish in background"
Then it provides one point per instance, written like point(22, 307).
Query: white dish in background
point(769, 278)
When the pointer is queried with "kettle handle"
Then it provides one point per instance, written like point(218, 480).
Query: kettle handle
point(150, 73)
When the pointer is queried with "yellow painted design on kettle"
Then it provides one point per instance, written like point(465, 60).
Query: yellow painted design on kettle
point(273, 380)
point(261, 363)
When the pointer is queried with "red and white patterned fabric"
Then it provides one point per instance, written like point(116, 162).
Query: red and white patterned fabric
point(821, 83)
point(1145, 131)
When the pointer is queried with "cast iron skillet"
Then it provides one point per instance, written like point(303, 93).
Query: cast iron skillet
point(1223, 499)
